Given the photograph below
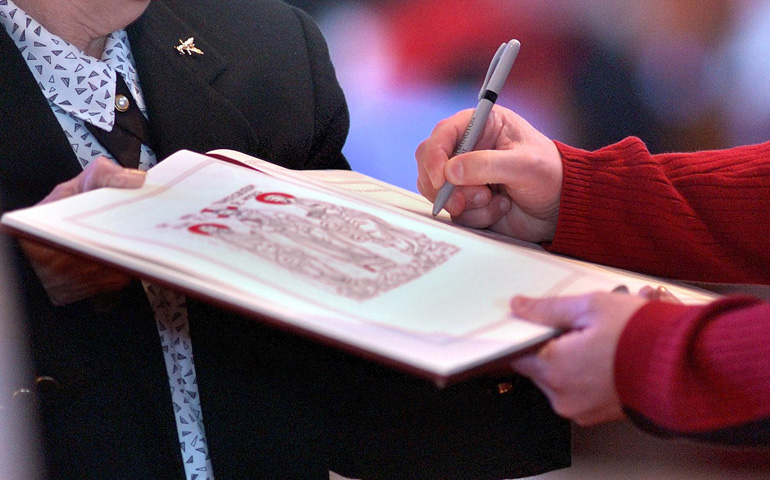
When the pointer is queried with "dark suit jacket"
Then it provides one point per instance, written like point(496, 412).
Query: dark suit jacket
point(275, 406)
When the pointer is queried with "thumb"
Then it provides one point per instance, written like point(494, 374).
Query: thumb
point(558, 312)
point(100, 173)
point(104, 173)
point(482, 167)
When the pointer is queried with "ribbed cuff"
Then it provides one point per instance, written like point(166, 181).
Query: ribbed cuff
point(587, 178)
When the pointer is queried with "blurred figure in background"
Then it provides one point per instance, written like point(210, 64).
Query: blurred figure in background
point(748, 59)
point(404, 64)
point(683, 75)
point(656, 70)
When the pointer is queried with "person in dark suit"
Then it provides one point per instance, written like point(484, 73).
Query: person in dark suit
point(274, 406)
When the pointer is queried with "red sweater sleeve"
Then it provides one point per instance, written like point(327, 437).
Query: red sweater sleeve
point(701, 216)
point(702, 372)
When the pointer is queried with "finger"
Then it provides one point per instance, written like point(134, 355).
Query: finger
point(531, 366)
point(647, 292)
point(456, 202)
point(476, 196)
point(659, 293)
point(424, 185)
point(103, 172)
point(550, 395)
point(620, 289)
point(557, 312)
point(665, 295)
point(534, 367)
point(433, 153)
point(481, 167)
point(484, 214)
point(463, 199)
point(68, 278)
point(600, 414)
point(426, 191)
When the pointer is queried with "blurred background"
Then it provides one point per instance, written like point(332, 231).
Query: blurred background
point(681, 74)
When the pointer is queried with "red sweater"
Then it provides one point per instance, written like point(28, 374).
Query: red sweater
point(697, 371)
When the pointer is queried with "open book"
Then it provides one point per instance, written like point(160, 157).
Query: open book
point(336, 255)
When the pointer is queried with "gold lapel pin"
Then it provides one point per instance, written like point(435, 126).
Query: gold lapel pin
point(188, 47)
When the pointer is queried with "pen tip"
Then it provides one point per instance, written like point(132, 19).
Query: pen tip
point(433, 216)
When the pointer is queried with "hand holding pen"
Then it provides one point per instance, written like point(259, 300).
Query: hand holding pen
point(510, 183)
point(497, 74)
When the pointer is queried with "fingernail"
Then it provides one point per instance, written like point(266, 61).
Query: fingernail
point(455, 173)
point(434, 181)
point(130, 178)
point(505, 205)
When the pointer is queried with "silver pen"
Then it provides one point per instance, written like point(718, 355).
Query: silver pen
point(498, 71)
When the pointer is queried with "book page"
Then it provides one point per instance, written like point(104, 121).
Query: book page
point(416, 291)
point(384, 193)
point(366, 188)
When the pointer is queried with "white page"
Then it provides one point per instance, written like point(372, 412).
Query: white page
point(384, 193)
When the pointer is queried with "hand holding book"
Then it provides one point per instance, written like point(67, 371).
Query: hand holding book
point(68, 278)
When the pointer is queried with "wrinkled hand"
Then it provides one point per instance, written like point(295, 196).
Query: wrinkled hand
point(576, 370)
point(68, 278)
point(511, 183)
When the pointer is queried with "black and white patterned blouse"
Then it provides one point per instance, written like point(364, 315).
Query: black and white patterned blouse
point(79, 89)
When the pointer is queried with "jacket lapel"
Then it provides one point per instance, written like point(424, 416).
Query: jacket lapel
point(178, 89)
point(35, 154)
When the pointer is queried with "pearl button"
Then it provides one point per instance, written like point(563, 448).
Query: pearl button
point(122, 103)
